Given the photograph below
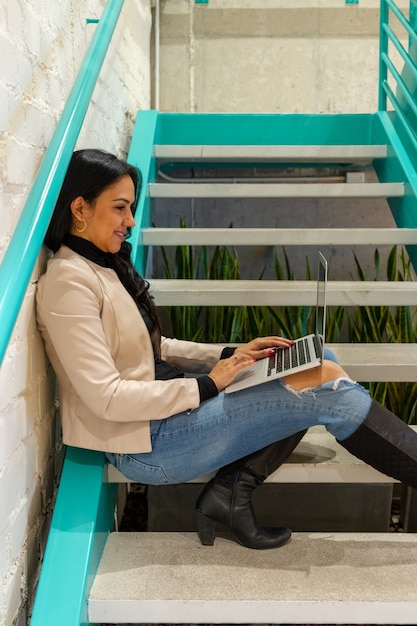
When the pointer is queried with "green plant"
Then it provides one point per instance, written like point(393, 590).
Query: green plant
point(378, 324)
point(184, 320)
point(235, 324)
point(295, 321)
point(222, 324)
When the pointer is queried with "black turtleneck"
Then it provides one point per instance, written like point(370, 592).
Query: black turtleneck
point(163, 369)
point(88, 250)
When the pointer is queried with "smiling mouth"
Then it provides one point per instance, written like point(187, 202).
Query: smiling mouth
point(120, 235)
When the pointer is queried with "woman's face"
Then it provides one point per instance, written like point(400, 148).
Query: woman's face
point(108, 217)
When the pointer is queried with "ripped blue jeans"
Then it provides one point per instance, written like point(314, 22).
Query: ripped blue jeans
point(230, 426)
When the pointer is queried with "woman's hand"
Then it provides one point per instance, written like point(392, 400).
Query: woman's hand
point(244, 356)
point(225, 370)
point(263, 347)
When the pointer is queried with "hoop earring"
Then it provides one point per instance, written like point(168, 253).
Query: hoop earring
point(81, 230)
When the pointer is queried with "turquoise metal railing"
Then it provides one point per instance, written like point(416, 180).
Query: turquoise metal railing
point(398, 69)
point(24, 247)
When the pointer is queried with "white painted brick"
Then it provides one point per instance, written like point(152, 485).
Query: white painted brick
point(4, 550)
point(22, 162)
point(9, 497)
point(44, 52)
point(19, 527)
point(13, 429)
point(13, 591)
point(15, 159)
point(14, 18)
point(4, 108)
point(8, 55)
point(6, 373)
point(19, 381)
point(24, 66)
point(33, 124)
point(33, 33)
point(55, 93)
point(9, 213)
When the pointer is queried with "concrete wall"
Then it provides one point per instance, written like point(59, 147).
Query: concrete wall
point(42, 45)
point(316, 56)
point(275, 56)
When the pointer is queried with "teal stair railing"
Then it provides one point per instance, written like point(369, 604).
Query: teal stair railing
point(398, 85)
point(25, 244)
point(83, 470)
point(396, 120)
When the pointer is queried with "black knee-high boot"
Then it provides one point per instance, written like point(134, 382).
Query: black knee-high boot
point(227, 498)
point(386, 443)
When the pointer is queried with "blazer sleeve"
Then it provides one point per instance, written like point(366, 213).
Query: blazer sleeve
point(69, 309)
point(190, 356)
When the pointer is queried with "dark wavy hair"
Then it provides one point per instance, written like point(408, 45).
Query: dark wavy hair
point(89, 173)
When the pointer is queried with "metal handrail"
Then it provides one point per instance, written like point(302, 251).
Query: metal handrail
point(23, 249)
point(404, 101)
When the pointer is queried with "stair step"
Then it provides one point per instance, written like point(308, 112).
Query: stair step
point(388, 362)
point(321, 578)
point(276, 190)
point(177, 292)
point(271, 153)
point(278, 236)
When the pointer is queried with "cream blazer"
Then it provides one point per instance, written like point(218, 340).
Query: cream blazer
point(100, 349)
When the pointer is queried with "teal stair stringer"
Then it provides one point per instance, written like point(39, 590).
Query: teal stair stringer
point(400, 164)
point(144, 137)
point(82, 519)
point(185, 129)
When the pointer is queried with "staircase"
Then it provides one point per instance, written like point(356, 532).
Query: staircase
point(319, 578)
point(93, 576)
point(356, 145)
point(331, 578)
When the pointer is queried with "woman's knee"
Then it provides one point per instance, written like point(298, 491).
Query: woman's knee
point(327, 371)
point(329, 355)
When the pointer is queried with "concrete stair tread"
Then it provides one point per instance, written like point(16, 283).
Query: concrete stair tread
point(278, 236)
point(265, 153)
point(387, 362)
point(275, 190)
point(280, 292)
point(326, 578)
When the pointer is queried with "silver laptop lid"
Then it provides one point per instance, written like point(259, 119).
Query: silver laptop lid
point(320, 325)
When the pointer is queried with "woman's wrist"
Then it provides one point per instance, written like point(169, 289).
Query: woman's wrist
point(207, 388)
point(227, 352)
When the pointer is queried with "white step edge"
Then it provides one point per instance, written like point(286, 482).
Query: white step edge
point(280, 292)
point(279, 190)
point(386, 362)
point(278, 236)
point(317, 578)
point(318, 458)
point(287, 153)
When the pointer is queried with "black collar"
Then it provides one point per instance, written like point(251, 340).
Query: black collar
point(88, 250)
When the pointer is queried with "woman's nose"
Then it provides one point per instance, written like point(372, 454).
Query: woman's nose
point(130, 220)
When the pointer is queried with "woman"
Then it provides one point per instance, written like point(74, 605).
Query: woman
point(122, 387)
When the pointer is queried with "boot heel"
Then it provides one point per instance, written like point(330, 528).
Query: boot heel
point(206, 529)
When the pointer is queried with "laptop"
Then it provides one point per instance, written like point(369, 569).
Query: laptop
point(305, 353)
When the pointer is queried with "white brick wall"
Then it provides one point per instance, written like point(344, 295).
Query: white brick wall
point(42, 45)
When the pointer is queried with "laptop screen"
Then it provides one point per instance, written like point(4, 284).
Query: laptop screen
point(321, 301)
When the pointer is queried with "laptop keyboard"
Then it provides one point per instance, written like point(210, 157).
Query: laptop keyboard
point(284, 359)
